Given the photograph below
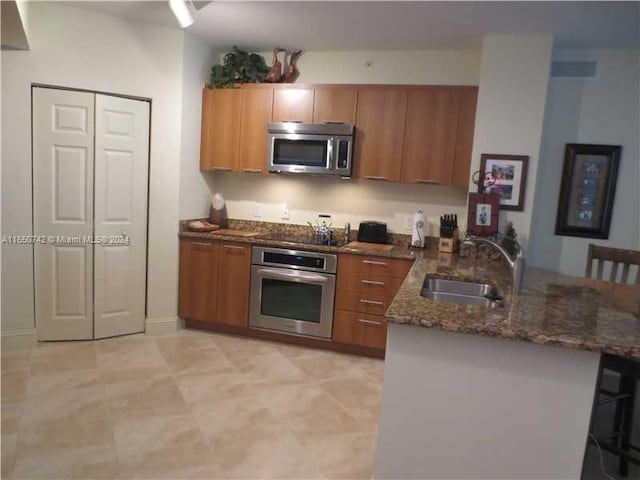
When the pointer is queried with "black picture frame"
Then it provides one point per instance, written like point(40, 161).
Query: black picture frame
point(587, 190)
point(506, 176)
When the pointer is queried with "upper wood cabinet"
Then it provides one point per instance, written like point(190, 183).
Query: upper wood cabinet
point(257, 108)
point(380, 122)
point(220, 133)
point(234, 274)
point(334, 104)
point(198, 280)
point(430, 136)
point(467, 99)
point(292, 105)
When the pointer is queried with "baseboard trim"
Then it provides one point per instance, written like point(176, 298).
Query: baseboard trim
point(156, 326)
point(19, 339)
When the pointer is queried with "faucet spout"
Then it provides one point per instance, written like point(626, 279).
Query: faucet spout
point(516, 264)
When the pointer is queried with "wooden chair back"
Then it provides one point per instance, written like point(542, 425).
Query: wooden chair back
point(618, 257)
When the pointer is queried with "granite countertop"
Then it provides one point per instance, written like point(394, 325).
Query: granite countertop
point(552, 309)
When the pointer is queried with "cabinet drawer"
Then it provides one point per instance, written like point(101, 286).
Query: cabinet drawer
point(367, 283)
point(360, 329)
point(369, 265)
point(362, 302)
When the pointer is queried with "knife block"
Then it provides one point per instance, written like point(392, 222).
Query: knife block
point(449, 245)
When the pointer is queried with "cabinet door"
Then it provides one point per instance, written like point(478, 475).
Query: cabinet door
point(220, 133)
point(361, 329)
point(232, 306)
point(467, 100)
point(257, 107)
point(198, 280)
point(380, 119)
point(430, 136)
point(293, 105)
point(334, 104)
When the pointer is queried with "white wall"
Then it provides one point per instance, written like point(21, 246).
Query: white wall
point(514, 74)
point(604, 109)
point(354, 200)
point(198, 57)
point(76, 48)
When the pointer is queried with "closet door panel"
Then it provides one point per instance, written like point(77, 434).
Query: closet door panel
point(121, 177)
point(63, 150)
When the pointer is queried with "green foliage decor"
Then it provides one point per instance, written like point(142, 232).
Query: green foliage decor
point(509, 240)
point(238, 67)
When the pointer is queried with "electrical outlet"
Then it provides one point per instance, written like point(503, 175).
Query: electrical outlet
point(257, 210)
point(408, 222)
point(285, 212)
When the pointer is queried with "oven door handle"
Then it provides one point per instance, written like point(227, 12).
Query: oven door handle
point(294, 276)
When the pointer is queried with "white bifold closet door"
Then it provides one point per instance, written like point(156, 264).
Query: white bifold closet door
point(90, 169)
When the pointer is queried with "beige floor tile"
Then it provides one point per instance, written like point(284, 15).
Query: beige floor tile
point(52, 383)
point(198, 360)
point(164, 446)
point(270, 367)
point(322, 365)
point(375, 371)
point(128, 358)
point(231, 416)
point(343, 456)
point(11, 414)
point(238, 350)
point(85, 462)
point(336, 422)
point(12, 360)
point(361, 397)
point(183, 340)
point(298, 400)
point(68, 356)
point(14, 386)
point(8, 448)
point(205, 388)
point(141, 398)
point(263, 452)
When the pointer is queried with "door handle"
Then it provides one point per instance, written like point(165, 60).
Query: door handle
point(372, 262)
point(369, 322)
point(232, 247)
point(252, 170)
point(371, 282)
point(294, 277)
point(222, 169)
point(371, 302)
point(374, 177)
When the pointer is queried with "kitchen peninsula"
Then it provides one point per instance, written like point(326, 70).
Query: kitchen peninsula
point(505, 392)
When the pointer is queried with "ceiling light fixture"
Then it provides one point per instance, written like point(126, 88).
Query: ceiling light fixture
point(181, 12)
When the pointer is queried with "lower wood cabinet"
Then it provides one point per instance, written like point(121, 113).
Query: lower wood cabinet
point(360, 329)
point(214, 282)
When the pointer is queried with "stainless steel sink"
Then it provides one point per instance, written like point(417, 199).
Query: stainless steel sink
point(460, 291)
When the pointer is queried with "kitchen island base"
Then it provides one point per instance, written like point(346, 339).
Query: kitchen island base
point(468, 406)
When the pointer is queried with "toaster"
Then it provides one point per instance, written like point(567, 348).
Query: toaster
point(372, 232)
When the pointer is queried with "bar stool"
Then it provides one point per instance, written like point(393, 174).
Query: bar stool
point(618, 441)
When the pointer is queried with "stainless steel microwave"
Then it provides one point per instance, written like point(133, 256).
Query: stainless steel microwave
point(312, 148)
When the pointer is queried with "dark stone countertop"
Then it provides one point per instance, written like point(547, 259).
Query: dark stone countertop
point(552, 309)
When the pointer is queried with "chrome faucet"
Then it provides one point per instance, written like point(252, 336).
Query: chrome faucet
point(516, 264)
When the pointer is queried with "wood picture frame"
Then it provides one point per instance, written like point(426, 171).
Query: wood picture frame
point(506, 176)
point(587, 190)
point(483, 214)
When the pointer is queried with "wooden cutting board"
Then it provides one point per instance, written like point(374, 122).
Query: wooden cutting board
point(235, 233)
point(369, 247)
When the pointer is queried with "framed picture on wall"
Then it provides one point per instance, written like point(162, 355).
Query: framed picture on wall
point(587, 190)
point(483, 214)
point(506, 176)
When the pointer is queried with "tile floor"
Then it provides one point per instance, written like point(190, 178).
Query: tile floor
point(187, 405)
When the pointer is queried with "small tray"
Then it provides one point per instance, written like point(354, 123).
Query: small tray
point(202, 226)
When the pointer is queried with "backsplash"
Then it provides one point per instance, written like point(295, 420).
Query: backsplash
point(345, 200)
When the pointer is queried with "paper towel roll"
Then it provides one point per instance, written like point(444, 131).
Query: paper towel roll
point(417, 236)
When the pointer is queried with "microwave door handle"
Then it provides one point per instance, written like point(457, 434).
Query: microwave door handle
point(293, 276)
point(331, 164)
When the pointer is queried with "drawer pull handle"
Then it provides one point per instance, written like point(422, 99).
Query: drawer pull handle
point(427, 181)
point(252, 170)
point(371, 282)
point(202, 246)
point(233, 247)
point(374, 177)
point(371, 302)
point(371, 262)
point(222, 169)
point(370, 322)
